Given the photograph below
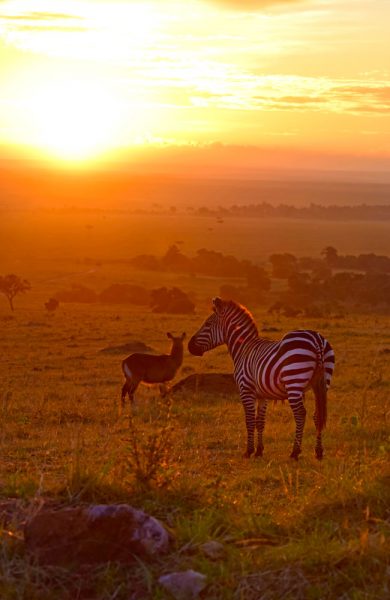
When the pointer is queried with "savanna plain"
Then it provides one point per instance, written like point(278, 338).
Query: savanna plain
point(304, 529)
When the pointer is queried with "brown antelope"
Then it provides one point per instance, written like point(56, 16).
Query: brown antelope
point(149, 368)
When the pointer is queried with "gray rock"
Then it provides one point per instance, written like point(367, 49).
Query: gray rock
point(213, 550)
point(94, 534)
point(183, 585)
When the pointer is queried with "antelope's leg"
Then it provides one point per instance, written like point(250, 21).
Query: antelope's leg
point(123, 399)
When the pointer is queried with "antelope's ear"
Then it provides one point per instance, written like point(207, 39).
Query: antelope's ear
point(217, 304)
point(170, 336)
point(183, 335)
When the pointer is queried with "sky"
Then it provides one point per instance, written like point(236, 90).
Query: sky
point(256, 83)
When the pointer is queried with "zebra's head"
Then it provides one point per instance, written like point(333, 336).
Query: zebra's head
point(211, 333)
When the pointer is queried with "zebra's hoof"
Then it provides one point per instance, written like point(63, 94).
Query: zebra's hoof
point(319, 454)
point(259, 452)
point(247, 454)
point(295, 453)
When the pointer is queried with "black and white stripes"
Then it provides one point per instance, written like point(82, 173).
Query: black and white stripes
point(266, 369)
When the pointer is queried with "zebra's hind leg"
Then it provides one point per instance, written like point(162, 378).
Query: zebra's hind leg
point(295, 399)
point(260, 422)
point(319, 449)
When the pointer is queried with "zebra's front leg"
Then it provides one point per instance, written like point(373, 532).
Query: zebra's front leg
point(249, 403)
point(260, 422)
point(295, 399)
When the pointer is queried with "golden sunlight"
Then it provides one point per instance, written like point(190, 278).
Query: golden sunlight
point(73, 119)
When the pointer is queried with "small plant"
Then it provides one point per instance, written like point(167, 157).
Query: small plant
point(149, 453)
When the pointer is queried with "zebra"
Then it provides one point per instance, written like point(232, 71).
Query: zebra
point(266, 369)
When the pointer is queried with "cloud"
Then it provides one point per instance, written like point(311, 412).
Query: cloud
point(42, 21)
point(253, 4)
point(40, 16)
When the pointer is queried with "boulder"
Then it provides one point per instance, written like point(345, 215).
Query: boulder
point(183, 585)
point(94, 534)
point(212, 383)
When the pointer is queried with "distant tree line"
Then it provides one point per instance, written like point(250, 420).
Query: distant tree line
point(313, 211)
point(331, 282)
point(169, 300)
point(314, 286)
point(363, 262)
point(205, 262)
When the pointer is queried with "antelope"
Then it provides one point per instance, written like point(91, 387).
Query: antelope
point(149, 368)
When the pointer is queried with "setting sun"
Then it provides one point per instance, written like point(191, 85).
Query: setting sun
point(87, 78)
point(73, 119)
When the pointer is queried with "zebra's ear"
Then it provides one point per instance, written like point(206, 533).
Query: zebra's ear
point(183, 335)
point(217, 304)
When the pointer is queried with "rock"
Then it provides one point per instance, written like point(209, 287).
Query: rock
point(94, 534)
point(213, 383)
point(183, 585)
point(213, 550)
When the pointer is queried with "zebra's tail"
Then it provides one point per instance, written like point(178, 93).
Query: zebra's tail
point(320, 391)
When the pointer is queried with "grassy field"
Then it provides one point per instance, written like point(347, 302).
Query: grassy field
point(308, 530)
point(305, 530)
point(62, 240)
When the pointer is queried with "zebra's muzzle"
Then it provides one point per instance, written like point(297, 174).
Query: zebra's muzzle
point(194, 349)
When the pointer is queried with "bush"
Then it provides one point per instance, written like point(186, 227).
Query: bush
point(123, 293)
point(52, 304)
point(173, 301)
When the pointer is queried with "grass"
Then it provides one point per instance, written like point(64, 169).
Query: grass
point(308, 530)
point(290, 530)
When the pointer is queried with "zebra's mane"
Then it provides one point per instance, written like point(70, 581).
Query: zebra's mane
point(244, 313)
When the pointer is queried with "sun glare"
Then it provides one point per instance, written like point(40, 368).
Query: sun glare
point(73, 119)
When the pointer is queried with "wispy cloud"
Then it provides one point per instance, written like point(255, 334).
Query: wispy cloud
point(39, 16)
point(41, 21)
point(253, 4)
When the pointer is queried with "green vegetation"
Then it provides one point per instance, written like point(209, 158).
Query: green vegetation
point(305, 530)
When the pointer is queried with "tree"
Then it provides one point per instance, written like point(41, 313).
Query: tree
point(330, 255)
point(11, 286)
point(283, 265)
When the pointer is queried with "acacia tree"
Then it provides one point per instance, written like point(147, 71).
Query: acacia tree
point(11, 286)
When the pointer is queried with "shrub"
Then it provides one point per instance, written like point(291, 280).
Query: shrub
point(52, 304)
point(123, 293)
point(173, 301)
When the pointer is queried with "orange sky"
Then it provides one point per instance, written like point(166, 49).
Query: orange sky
point(305, 83)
